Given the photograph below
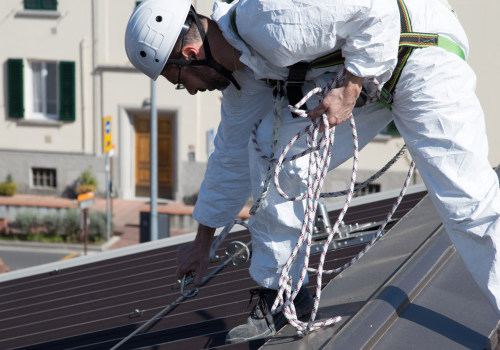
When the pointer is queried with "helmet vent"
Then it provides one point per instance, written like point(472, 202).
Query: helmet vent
point(159, 19)
point(142, 53)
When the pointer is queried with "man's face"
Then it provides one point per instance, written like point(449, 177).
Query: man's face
point(196, 78)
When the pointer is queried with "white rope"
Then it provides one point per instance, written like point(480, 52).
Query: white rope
point(319, 151)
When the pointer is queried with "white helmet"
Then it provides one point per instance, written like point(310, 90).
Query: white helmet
point(152, 32)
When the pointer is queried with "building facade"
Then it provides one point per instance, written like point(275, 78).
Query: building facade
point(64, 71)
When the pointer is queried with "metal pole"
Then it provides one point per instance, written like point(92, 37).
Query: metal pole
point(154, 165)
point(85, 229)
point(111, 193)
point(108, 204)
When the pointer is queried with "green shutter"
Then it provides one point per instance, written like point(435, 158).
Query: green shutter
point(16, 88)
point(50, 5)
point(67, 91)
point(31, 5)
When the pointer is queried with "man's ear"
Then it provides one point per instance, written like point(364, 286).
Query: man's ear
point(193, 52)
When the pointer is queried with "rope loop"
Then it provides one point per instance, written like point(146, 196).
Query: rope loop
point(319, 149)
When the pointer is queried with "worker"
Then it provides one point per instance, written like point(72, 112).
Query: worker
point(263, 55)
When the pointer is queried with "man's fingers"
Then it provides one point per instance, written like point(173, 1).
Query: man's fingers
point(200, 272)
point(198, 278)
point(180, 273)
point(317, 111)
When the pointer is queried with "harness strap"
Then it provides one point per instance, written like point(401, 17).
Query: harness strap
point(296, 78)
point(297, 74)
point(404, 53)
point(422, 40)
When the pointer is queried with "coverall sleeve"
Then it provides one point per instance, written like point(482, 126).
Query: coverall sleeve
point(371, 40)
point(226, 186)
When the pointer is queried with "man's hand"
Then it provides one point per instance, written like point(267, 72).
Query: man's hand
point(194, 257)
point(338, 103)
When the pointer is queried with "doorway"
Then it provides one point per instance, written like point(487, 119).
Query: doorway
point(143, 156)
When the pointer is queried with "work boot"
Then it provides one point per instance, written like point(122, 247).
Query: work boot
point(261, 323)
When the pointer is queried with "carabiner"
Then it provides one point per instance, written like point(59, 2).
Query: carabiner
point(193, 292)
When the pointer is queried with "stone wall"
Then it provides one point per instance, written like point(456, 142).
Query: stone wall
point(68, 168)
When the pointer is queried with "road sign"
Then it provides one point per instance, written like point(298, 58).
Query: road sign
point(107, 139)
point(86, 200)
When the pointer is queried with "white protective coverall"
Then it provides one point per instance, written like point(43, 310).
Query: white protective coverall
point(435, 109)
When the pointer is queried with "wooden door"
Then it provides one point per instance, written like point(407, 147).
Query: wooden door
point(143, 156)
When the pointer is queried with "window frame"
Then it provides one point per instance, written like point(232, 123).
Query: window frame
point(29, 92)
point(43, 175)
point(21, 93)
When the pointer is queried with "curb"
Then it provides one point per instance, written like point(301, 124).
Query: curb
point(61, 246)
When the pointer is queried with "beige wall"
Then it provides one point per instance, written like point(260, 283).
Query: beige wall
point(64, 38)
point(480, 20)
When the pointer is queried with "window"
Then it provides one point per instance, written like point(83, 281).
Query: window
point(41, 90)
point(44, 178)
point(371, 188)
point(50, 5)
point(44, 90)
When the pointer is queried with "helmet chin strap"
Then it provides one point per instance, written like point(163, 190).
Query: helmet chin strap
point(209, 60)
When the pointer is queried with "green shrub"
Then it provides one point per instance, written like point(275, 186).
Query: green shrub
point(53, 224)
point(56, 228)
point(86, 182)
point(71, 222)
point(98, 226)
point(8, 188)
point(27, 221)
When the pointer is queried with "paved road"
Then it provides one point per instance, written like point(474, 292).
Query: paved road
point(18, 258)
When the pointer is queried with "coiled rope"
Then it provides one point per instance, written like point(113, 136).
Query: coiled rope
point(319, 150)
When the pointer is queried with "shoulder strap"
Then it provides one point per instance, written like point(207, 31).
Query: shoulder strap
point(403, 53)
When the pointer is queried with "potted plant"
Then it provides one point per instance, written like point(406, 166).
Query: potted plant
point(8, 188)
point(86, 182)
